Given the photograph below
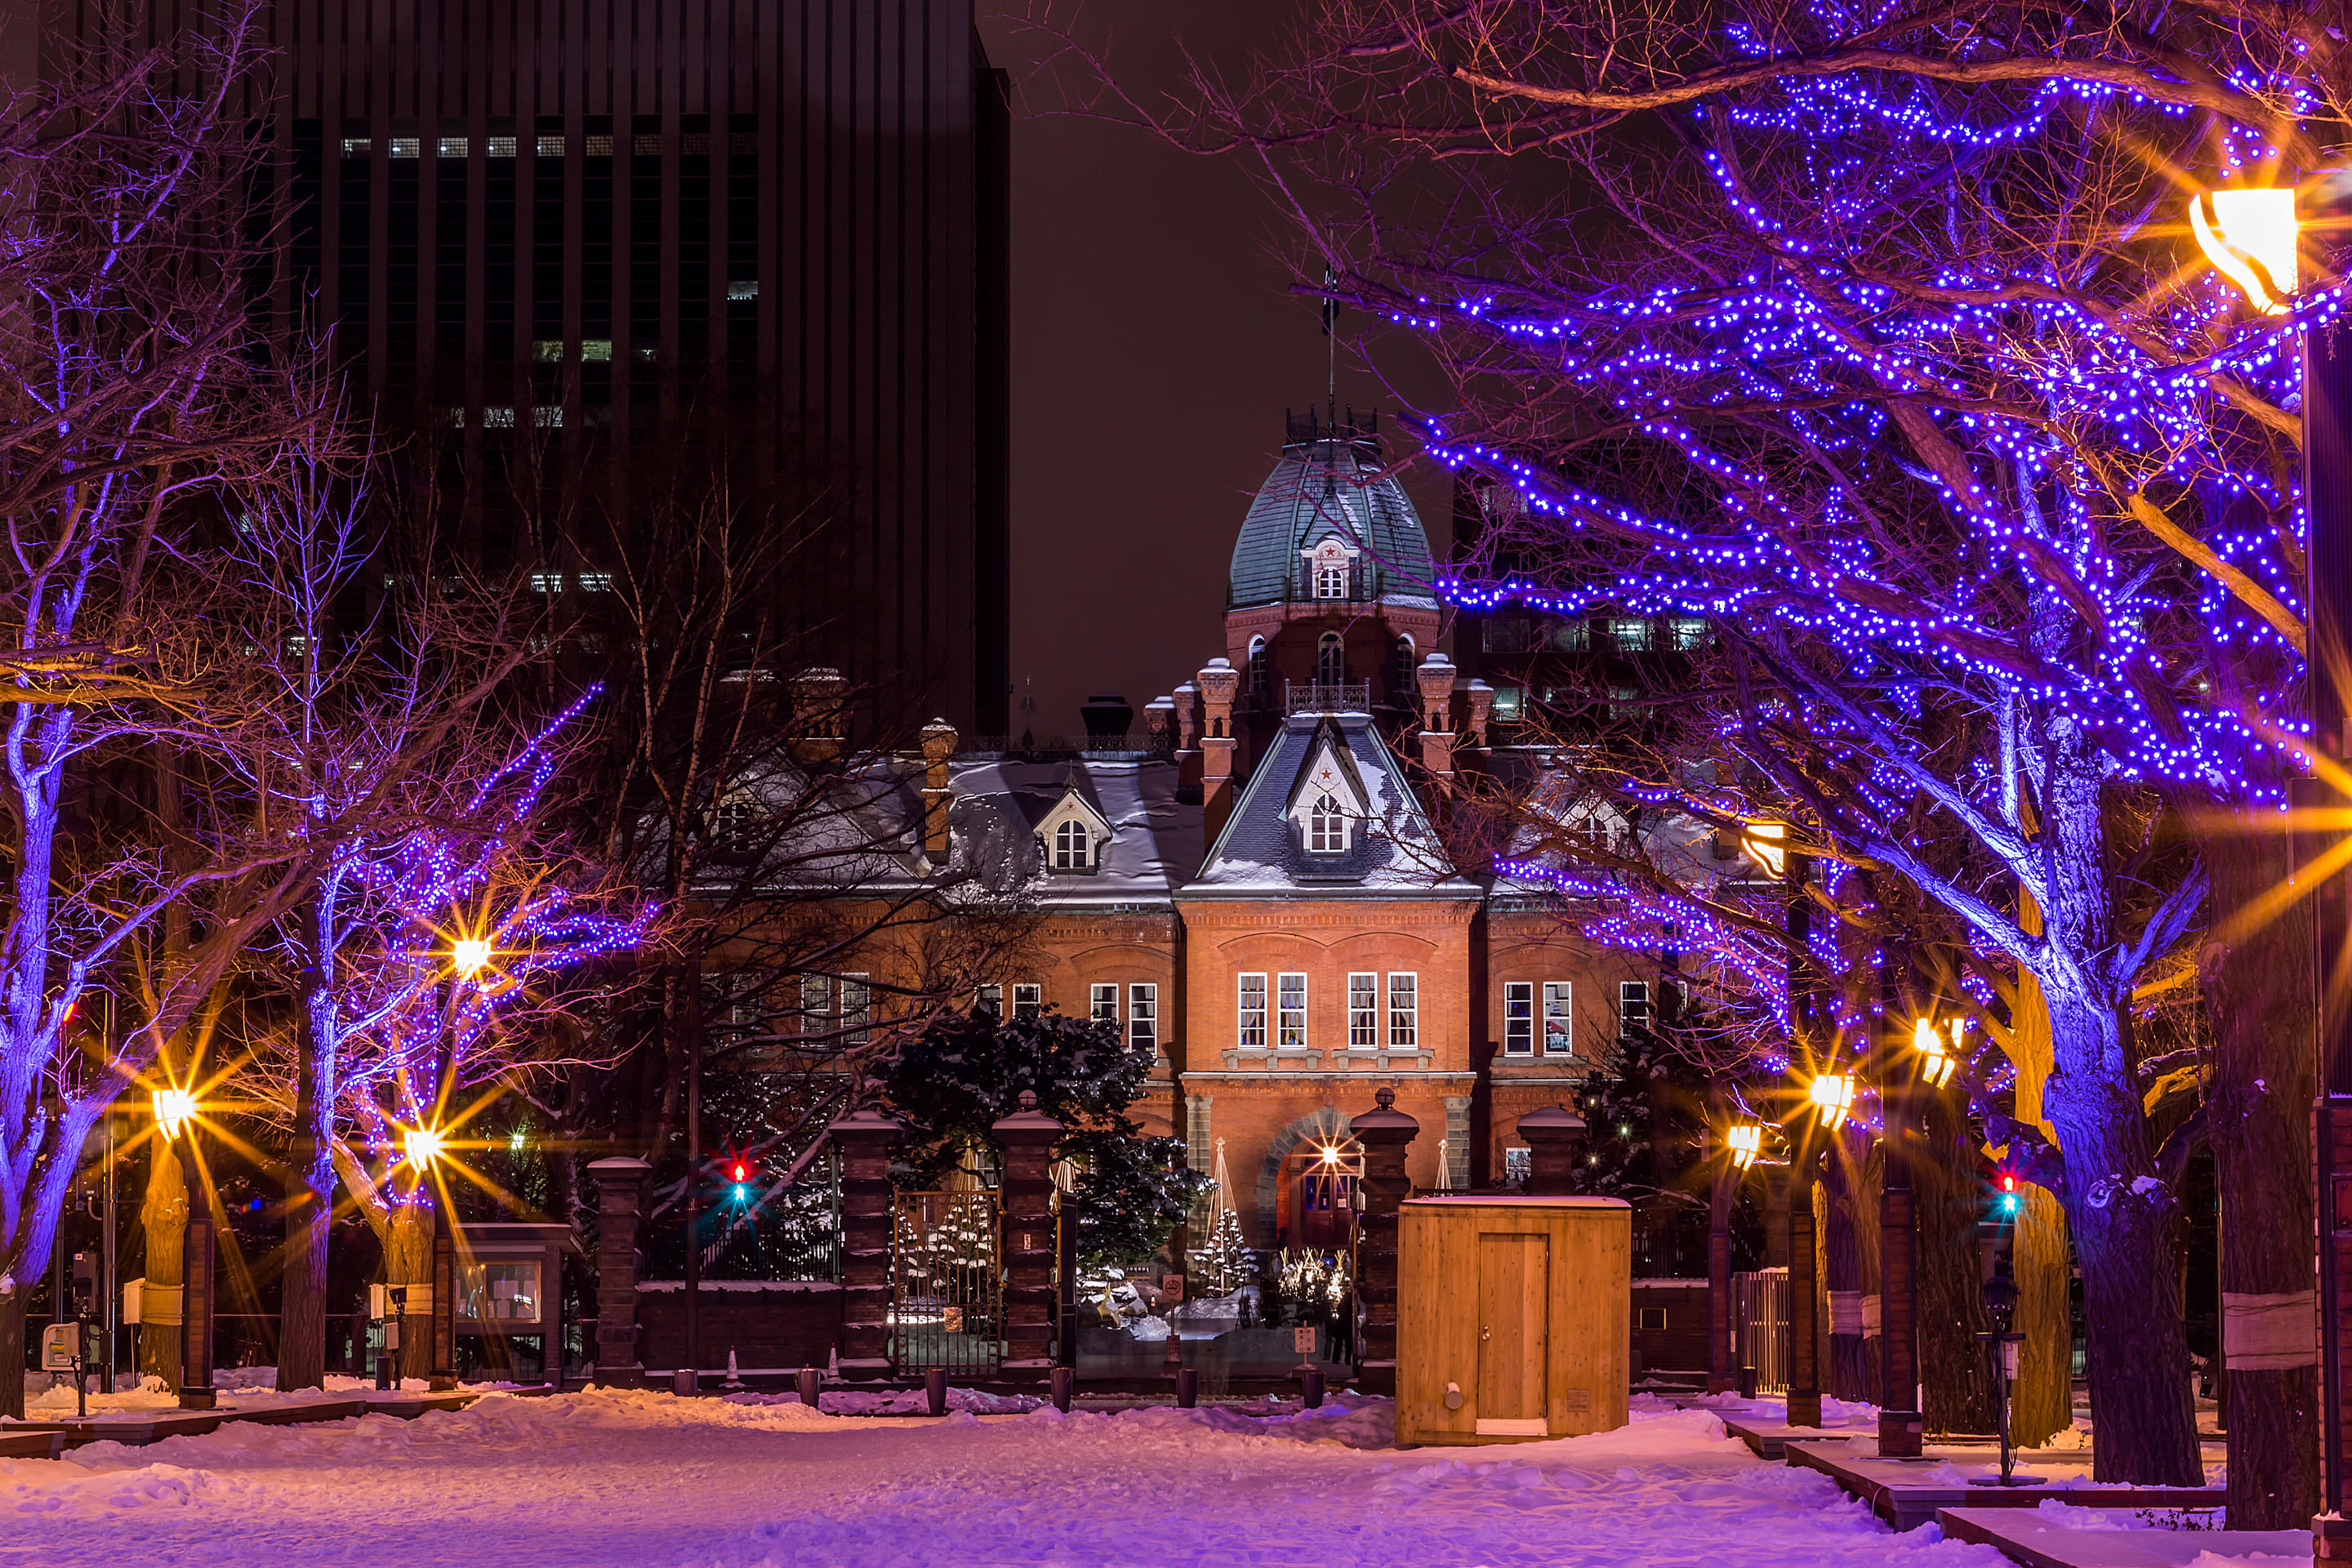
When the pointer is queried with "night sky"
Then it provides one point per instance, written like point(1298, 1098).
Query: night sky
point(1155, 345)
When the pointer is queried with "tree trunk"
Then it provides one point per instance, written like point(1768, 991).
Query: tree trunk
point(13, 1303)
point(309, 1179)
point(1873, 1285)
point(163, 1215)
point(2042, 1405)
point(408, 1260)
point(2258, 1111)
point(1955, 1373)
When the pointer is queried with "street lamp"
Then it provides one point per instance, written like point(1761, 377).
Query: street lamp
point(1745, 1141)
point(1935, 1063)
point(1768, 843)
point(470, 956)
point(1831, 1097)
point(2250, 237)
point(175, 1112)
point(421, 1146)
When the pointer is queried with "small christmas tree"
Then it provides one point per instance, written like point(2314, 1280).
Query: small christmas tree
point(1225, 1265)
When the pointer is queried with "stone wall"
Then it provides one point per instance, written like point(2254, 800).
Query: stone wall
point(773, 1326)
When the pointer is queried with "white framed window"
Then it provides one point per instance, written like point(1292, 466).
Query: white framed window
point(1073, 846)
point(1102, 1003)
point(1327, 826)
point(1518, 1017)
point(1028, 1000)
point(817, 1004)
point(1258, 667)
point(1404, 1011)
point(989, 999)
point(1251, 1036)
point(1331, 579)
point(1143, 1019)
point(1558, 1018)
point(1363, 1012)
point(1633, 1006)
point(857, 1008)
point(1290, 1014)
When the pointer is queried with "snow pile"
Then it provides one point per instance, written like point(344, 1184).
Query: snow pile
point(899, 1402)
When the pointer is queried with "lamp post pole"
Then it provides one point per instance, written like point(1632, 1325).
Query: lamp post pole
point(196, 1247)
point(441, 1365)
point(1804, 1387)
point(1901, 1427)
point(1722, 1377)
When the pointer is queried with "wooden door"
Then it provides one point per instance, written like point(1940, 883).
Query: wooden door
point(1514, 1277)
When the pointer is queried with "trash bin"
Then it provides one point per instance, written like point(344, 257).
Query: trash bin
point(1513, 1318)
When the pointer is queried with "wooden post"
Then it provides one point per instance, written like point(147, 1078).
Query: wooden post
point(1384, 1134)
point(865, 1143)
point(1555, 1140)
point(620, 1192)
point(1026, 1244)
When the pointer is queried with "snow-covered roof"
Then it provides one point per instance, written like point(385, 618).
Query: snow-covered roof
point(1155, 839)
point(1394, 851)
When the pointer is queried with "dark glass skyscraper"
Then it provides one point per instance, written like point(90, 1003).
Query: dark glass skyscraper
point(582, 229)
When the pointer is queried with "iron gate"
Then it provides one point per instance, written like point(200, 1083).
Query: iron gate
point(1760, 1320)
point(947, 1298)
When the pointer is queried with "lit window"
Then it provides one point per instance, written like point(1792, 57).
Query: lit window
point(596, 351)
point(1071, 845)
point(1028, 1000)
point(817, 1004)
point(1510, 703)
point(1363, 1012)
point(1632, 1007)
point(1631, 632)
point(1331, 580)
point(1404, 1012)
point(1688, 632)
point(547, 351)
point(500, 146)
point(407, 147)
point(1558, 1018)
point(1327, 826)
point(1143, 1019)
point(599, 147)
point(497, 418)
point(547, 582)
point(1102, 1003)
point(1519, 1018)
point(1251, 1036)
point(550, 146)
point(450, 147)
point(595, 582)
point(547, 418)
point(741, 288)
point(357, 146)
point(1290, 1014)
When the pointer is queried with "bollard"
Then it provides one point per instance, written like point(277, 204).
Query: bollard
point(1747, 1383)
point(935, 1390)
point(683, 1383)
point(1065, 1380)
point(734, 1384)
point(1310, 1388)
point(1188, 1387)
point(810, 1382)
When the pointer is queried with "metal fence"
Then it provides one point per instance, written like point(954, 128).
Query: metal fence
point(947, 1303)
point(1759, 1326)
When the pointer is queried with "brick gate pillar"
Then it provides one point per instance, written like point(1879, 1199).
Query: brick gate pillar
point(620, 1197)
point(1555, 1138)
point(1025, 1238)
point(1384, 1133)
point(864, 1141)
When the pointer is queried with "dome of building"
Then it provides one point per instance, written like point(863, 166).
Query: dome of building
point(1322, 487)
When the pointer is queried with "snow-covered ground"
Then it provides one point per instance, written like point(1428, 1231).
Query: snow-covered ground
point(651, 1482)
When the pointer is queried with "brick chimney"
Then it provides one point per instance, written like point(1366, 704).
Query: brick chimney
point(1160, 724)
point(820, 715)
point(1436, 680)
point(1481, 708)
point(939, 745)
point(1218, 681)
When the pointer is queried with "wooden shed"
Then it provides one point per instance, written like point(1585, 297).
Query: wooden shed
point(1513, 1318)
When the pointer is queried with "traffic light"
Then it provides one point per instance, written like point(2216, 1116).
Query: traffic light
point(2004, 1195)
point(737, 1170)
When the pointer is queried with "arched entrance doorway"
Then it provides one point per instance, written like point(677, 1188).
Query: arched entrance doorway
point(1318, 1195)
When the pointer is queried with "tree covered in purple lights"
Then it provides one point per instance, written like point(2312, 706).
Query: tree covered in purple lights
point(1873, 338)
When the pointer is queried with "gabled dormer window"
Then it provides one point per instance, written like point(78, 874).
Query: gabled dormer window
point(1072, 847)
point(1072, 836)
point(1327, 826)
point(1331, 580)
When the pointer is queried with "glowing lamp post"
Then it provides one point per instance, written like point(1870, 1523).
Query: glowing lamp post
point(1742, 1142)
point(1831, 1097)
point(2250, 237)
point(1933, 1062)
point(175, 1113)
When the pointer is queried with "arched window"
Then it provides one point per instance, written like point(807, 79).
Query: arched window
point(1331, 578)
point(1071, 847)
point(1257, 662)
point(1330, 661)
point(1405, 665)
point(1327, 826)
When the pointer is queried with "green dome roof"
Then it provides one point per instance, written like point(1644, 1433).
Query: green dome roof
point(1323, 486)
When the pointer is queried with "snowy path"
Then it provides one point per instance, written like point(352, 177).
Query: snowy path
point(649, 1482)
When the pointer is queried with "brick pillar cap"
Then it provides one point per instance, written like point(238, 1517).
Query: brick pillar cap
point(1387, 1118)
point(1028, 1119)
point(865, 1121)
point(621, 1166)
point(1552, 1118)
